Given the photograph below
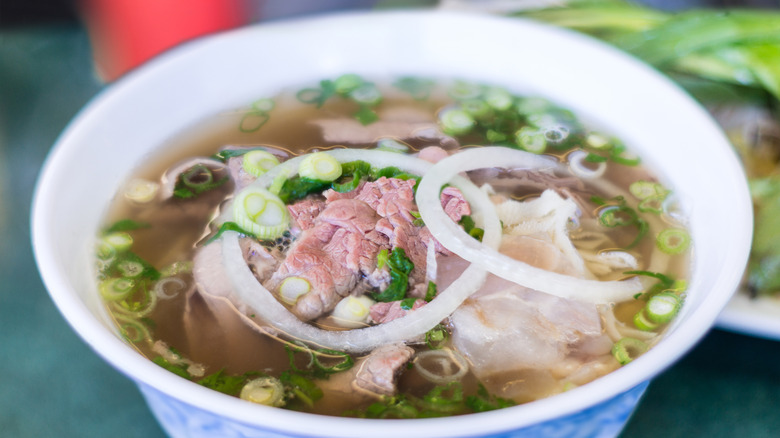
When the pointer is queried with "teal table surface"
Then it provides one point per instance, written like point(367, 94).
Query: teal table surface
point(53, 385)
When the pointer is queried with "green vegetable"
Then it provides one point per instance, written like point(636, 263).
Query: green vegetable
point(228, 226)
point(320, 166)
point(627, 349)
point(126, 225)
point(178, 369)
point(298, 187)
point(673, 241)
point(260, 212)
point(408, 303)
point(258, 162)
point(436, 337)
point(615, 212)
point(430, 294)
point(469, 226)
point(400, 267)
point(225, 383)
point(455, 121)
point(731, 46)
point(484, 401)
point(196, 180)
point(663, 307)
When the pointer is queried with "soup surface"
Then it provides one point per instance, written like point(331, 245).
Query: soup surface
point(408, 250)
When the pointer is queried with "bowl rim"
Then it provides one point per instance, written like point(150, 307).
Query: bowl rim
point(126, 360)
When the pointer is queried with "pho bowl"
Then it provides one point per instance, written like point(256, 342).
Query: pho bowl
point(133, 117)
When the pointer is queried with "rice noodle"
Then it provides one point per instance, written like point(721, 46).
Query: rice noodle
point(452, 237)
point(267, 308)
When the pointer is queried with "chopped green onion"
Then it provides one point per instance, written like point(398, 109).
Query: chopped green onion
point(366, 94)
point(646, 189)
point(498, 98)
point(456, 121)
point(476, 107)
point(130, 268)
point(654, 204)
point(261, 213)
point(673, 241)
point(531, 139)
point(597, 141)
point(253, 120)
point(258, 162)
point(320, 166)
point(663, 307)
point(627, 349)
point(115, 289)
point(132, 330)
point(293, 288)
point(642, 322)
point(119, 241)
point(347, 83)
point(265, 391)
point(263, 105)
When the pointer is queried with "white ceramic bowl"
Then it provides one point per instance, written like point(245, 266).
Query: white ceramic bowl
point(133, 117)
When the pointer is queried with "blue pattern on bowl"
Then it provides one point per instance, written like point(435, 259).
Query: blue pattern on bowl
point(604, 420)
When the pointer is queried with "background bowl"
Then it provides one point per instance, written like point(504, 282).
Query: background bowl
point(129, 120)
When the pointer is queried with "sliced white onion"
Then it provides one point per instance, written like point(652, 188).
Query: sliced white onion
point(580, 170)
point(265, 306)
point(177, 284)
point(444, 359)
point(452, 237)
point(431, 266)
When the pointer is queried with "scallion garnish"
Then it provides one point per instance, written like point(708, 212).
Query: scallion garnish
point(673, 241)
point(627, 349)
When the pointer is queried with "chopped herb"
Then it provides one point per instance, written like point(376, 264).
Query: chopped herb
point(352, 172)
point(430, 294)
point(467, 222)
point(436, 337)
point(228, 226)
point(297, 188)
point(180, 370)
point(227, 154)
point(400, 267)
point(484, 401)
point(366, 115)
point(301, 388)
point(126, 225)
point(317, 96)
point(196, 180)
point(408, 303)
point(227, 384)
